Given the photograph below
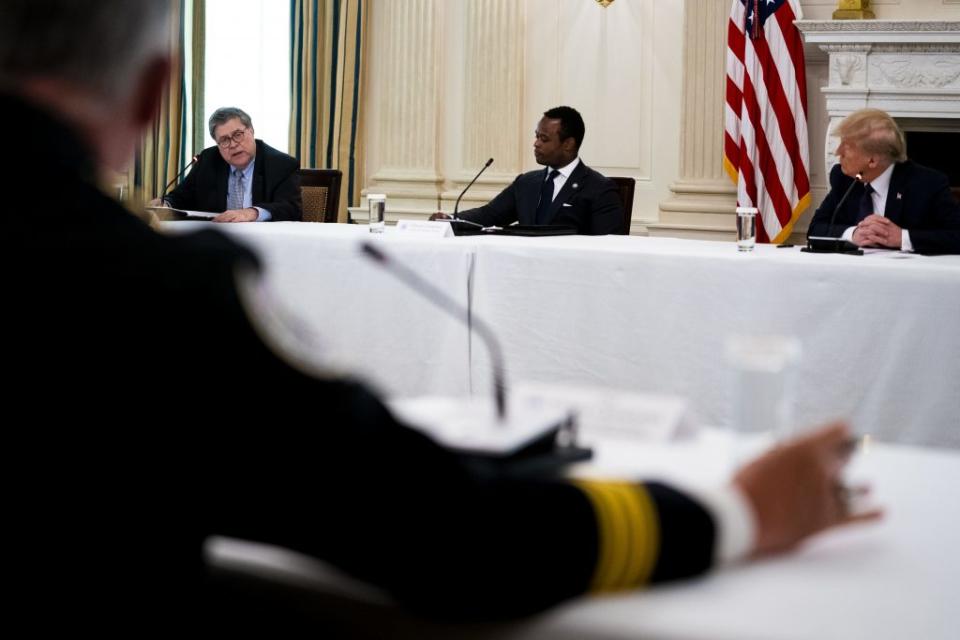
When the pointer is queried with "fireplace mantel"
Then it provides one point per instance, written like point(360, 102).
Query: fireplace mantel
point(908, 68)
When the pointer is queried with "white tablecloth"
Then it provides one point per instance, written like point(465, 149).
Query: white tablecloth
point(878, 332)
point(896, 579)
point(360, 319)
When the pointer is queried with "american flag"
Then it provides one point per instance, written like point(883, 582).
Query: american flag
point(765, 143)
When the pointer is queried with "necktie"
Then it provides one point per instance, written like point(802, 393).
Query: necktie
point(546, 198)
point(866, 203)
point(235, 199)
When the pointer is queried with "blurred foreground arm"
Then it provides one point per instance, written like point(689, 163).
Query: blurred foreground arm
point(795, 490)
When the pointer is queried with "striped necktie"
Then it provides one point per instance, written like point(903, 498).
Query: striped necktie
point(866, 202)
point(235, 199)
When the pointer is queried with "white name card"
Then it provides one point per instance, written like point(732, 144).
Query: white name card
point(425, 228)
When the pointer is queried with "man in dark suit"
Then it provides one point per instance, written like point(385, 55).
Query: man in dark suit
point(245, 178)
point(151, 410)
point(567, 192)
point(897, 203)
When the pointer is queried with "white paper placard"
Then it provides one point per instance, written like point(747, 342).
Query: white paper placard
point(425, 228)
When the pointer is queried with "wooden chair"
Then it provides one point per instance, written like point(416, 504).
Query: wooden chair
point(626, 186)
point(320, 192)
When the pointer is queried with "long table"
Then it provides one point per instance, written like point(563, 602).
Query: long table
point(878, 332)
point(899, 578)
point(650, 314)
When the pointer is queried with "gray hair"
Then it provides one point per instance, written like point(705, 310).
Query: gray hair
point(226, 114)
point(99, 45)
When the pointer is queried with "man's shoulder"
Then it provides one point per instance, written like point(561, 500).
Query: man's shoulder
point(591, 176)
point(210, 155)
point(918, 173)
point(838, 179)
point(534, 175)
point(276, 156)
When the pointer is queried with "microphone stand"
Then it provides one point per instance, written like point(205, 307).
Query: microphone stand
point(821, 244)
point(456, 206)
point(525, 442)
point(414, 281)
point(166, 189)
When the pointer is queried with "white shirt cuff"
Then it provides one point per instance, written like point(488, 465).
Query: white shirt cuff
point(735, 523)
point(848, 234)
point(905, 243)
point(263, 215)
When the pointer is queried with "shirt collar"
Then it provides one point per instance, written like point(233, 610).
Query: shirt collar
point(247, 171)
point(881, 184)
point(566, 170)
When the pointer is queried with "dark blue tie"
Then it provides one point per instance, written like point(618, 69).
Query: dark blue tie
point(546, 198)
point(866, 203)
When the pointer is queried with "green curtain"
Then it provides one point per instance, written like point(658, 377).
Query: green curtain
point(174, 137)
point(198, 133)
point(325, 82)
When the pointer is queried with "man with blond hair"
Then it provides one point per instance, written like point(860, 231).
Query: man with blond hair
point(898, 204)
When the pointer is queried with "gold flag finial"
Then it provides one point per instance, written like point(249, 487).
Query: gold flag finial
point(604, 3)
point(853, 10)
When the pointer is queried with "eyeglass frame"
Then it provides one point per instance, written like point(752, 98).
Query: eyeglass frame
point(233, 138)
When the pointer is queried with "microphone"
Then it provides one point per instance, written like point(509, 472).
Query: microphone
point(445, 302)
point(192, 162)
point(857, 178)
point(456, 206)
point(538, 436)
point(819, 244)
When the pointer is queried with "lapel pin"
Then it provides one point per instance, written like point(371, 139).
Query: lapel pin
point(575, 185)
point(899, 196)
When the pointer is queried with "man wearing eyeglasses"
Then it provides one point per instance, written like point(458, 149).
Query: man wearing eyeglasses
point(245, 178)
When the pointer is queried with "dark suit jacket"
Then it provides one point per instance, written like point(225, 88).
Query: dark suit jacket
point(919, 200)
point(588, 202)
point(276, 184)
point(148, 413)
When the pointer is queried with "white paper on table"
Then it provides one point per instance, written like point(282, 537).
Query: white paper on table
point(651, 417)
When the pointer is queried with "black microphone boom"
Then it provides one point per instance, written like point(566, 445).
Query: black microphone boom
point(445, 302)
point(192, 162)
point(835, 245)
point(857, 178)
point(456, 206)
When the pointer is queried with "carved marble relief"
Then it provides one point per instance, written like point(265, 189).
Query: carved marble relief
point(915, 72)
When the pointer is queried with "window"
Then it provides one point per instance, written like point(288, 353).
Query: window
point(248, 64)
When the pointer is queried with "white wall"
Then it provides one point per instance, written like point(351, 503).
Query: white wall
point(453, 82)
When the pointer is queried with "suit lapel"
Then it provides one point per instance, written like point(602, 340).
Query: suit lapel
point(570, 188)
point(259, 169)
point(527, 208)
point(223, 175)
point(893, 209)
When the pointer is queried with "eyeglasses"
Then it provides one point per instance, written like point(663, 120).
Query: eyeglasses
point(234, 137)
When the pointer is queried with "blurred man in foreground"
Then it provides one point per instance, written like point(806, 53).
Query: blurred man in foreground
point(141, 435)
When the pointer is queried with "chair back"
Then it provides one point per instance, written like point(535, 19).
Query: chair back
point(320, 192)
point(626, 186)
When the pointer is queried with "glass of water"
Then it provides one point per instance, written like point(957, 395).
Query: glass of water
point(762, 371)
point(746, 228)
point(377, 203)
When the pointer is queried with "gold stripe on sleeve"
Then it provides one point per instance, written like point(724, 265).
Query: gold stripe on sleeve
point(627, 534)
